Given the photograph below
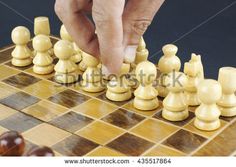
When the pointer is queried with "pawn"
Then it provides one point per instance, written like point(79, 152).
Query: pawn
point(146, 95)
point(21, 54)
point(169, 62)
point(175, 106)
point(11, 144)
point(66, 70)
point(207, 114)
point(142, 52)
point(118, 88)
point(41, 152)
point(43, 63)
point(77, 55)
point(92, 78)
point(42, 27)
point(227, 103)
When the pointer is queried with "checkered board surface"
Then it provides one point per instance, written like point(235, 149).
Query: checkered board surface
point(76, 123)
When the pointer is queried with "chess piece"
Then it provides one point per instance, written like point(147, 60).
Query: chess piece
point(42, 60)
point(142, 52)
point(118, 88)
point(175, 105)
point(146, 95)
point(196, 59)
point(207, 114)
point(66, 70)
point(11, 144)
point(77, 55)
point(194, 76)
point(92, 78)
point(42, 151)
point(21, 54)
point(227, 103)
point(168, 63)
point(42, 27)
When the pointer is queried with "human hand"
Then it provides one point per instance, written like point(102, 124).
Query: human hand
point(119, 24)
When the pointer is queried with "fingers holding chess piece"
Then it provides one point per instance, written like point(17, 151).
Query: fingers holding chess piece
point(43, 63)
point(168, 62)
point(11, 144)
point(21, 55)
point(42, 151)
point(66, 70)
point(175, 105)
point(146, 95)
point(227, 103)
point(207, 114)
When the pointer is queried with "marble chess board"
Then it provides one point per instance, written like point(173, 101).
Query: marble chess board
point(75, 123)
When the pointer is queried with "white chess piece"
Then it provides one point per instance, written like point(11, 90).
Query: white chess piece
point(42, 60)
point(175, 105)
point(21, 55)
point(146, 95)
point(66, 69)
point(227, 103)
point(207, 114)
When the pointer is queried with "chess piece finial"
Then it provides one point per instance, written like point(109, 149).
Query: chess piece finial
point(146, 95)
point(207, 114)
point(66, 70)
point(41, 26)
point(21, 54)
point(43, 63)
point(175, 106)
point(227, 79)
point(168, 62)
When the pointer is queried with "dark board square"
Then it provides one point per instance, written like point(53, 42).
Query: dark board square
point(19, 122)
point(130, 145)
point(71, 122)
point(19, 100)
point(177, 123)
point(75, 146)
point(5, 55)
point(21, 80)
point(19, 68)
point(123, 119)
point(184, 141)
point(69, 98)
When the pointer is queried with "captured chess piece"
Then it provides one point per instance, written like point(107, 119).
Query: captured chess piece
point(77, 53)
point(118, 88)
point(175, 106)
point(42, 151)
point(66, 69)
point(146, 95)
point(207, 114)
point(92, 78)
point(194, 75)
point(11, 144)
point(42, 27)
point(21, 55)
point(169, 62)
point(227, 103)
point(43, 63)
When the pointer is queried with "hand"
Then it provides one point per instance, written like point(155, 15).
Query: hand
point(118, 23)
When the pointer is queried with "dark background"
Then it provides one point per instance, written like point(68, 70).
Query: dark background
point(190, 24)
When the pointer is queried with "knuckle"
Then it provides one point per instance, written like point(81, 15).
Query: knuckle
point(140, 26)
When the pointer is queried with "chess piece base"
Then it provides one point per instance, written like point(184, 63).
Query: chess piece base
point(175, 115)
point(43, 70)
point(146, 105)
point(92, 87)
point(21, 62)
point(162, 91)
point(118, 96)
point(228, 111)
point(206, 126)
point(66, 78)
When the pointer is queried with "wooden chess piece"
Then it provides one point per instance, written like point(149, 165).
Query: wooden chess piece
point(207, 114)
point(146, 95)
point(43, 63)
point(169, 62)
point(42, 27)
point(21, 55)
point(11, 144)
point(118, 88)
point(175, 106)
point(227, 103)
point(142, 52)
point(196, 59)
point(92, 78)
point(41, 151)
point(66, 70)
point(77, 55)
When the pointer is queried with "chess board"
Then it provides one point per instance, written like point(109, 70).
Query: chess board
point(75, 123)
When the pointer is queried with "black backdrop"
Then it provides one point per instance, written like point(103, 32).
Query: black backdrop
point(206, 27)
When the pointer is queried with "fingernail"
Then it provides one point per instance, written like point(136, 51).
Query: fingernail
point(130, 53)
point(105, 71)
